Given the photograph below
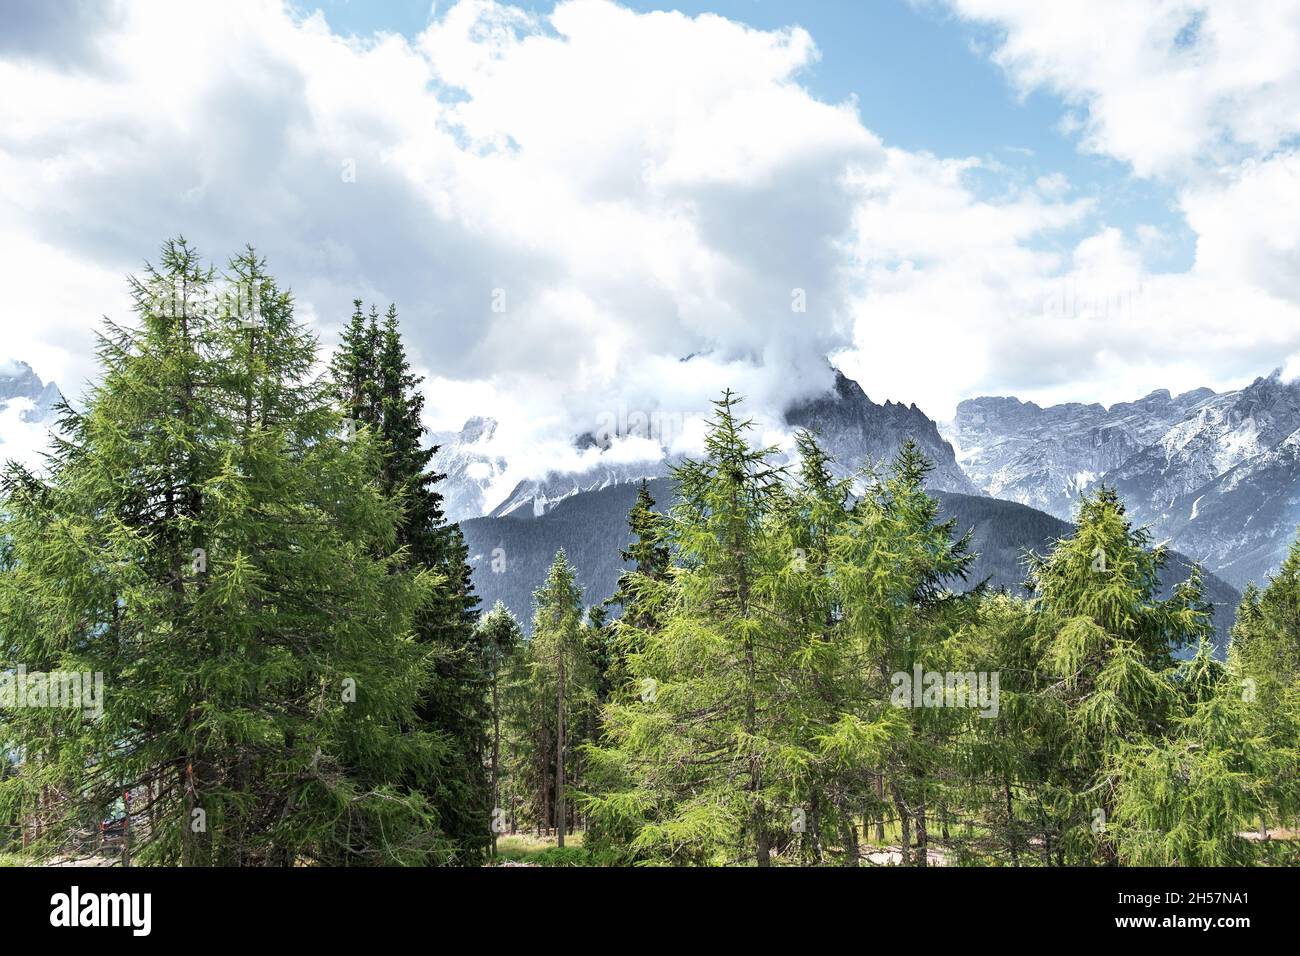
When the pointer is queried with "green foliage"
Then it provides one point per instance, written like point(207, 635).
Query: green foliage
point(210, 540)
point(257, 562)
point(379, 395)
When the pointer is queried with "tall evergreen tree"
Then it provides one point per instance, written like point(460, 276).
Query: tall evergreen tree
point(1106, 643)
point(376, 389)
point(693, 748)
point(208, 542)
point(894, 563)
point(500, 635)
point(561, 667)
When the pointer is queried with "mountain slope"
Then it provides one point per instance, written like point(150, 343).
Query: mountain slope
point(510, 554)
point(470, 468)
point(1047, 457)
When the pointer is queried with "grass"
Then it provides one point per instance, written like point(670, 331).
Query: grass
point(533, 850)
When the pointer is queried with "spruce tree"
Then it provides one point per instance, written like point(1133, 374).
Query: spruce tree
point(376, 389)
point(561, 670)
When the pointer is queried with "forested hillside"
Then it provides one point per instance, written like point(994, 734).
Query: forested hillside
point(510, 555)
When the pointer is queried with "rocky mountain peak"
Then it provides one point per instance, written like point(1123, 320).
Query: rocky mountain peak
point(854, 431)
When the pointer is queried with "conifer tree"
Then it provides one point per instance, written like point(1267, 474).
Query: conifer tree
point(560, 668)
point(1107, 645)
point(208, 539)
point(650, 556)
point(1264, 671)
point(376, 389)
point(499, 634)
point(803, 522)
point(693, 748)
point(894, 563)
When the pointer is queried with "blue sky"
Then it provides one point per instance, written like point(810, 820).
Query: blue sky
point(922, 81)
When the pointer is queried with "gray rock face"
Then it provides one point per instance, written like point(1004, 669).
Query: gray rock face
point(17, 381)
point(1048, 457)
point(1242, 522)
point(1218, 476)
point(469, 469)
point(855, 431)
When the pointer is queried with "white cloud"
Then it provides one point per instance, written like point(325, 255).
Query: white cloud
point(1205, 97)
point(639, 187)
point(21, 440)
point(1165, 84)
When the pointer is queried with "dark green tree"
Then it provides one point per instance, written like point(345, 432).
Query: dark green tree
point(377, 391)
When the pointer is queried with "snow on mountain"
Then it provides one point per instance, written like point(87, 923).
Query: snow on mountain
point(851, 428)
point(470, 468)
point(26, 412)
point(1048, 458)
point(1216, 475)
point(536, 497)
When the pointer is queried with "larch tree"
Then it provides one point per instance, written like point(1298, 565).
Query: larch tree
point(692, 749)
point(1107, 644)
point(208, 537)
point(561, 671)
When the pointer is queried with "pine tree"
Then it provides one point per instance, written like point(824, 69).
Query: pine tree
point(209, 541)
point(692, 749)
point(894, 564)
point(639, 592)
point(1107, 646)
point(560, 667)
point(1264, 669)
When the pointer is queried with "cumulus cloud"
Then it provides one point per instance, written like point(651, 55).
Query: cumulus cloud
point(1163, 84)
point(1200, 96)
point(597, 211)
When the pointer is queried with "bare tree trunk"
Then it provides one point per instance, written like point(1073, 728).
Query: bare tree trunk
point(922, 837)
point(849, 833)
point(880, 820)
point(560, 821)
point(1011, 823)
point(905, 823)
point(815, 826)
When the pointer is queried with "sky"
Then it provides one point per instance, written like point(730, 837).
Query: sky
point(584, 209)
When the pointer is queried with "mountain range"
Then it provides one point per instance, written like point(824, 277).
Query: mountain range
point(852, 428)
point(1215, 475)
point(26, 411)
